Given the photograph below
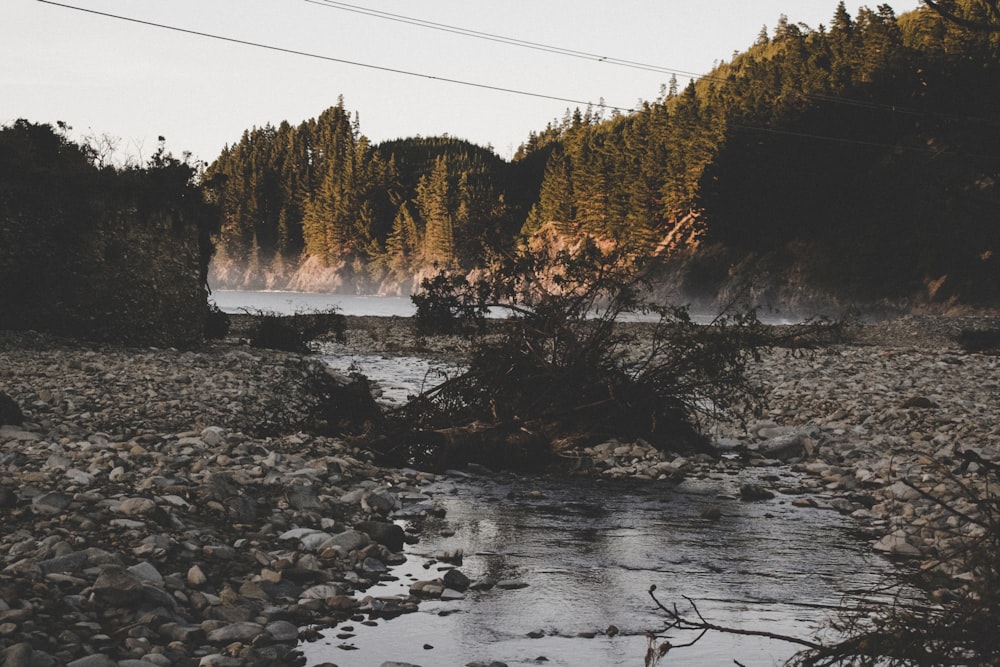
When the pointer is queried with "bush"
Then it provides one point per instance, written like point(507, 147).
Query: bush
point(444, 307)
point(563, 364)
point(294, 333)
point(216, 323)
point(979, 340)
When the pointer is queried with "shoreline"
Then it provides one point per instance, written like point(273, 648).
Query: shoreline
point(186, 478)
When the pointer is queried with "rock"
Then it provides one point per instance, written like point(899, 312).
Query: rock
point(48, 504)
point(136, 506)
point(782, 447)
point(324, 591)
point(236, 632)
point(713, 513)
point(196, 577)
point(282, 631)
point(117, 586)
point(381, 502)
point(754, 492)
point(389, 535)
point(220, 660)
point(457, 580)
point(897, 545)
point(347, 541)
point(93, 661)
point(147, 573)
point(303, 496)
point(431, 589)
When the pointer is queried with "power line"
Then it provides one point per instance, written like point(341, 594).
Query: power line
point(307, 54)
point(621, 62)
point(492, 37)
point(472, 84)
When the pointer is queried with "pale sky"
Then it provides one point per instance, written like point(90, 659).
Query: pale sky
point(107, 76)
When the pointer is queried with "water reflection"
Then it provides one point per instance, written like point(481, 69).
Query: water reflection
point(588, 553)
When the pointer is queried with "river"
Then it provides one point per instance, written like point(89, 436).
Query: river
point(587, 552)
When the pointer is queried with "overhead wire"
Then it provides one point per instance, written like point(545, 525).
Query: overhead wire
point(610, 60)
point(601, 104)
point(493, 37)
point(343, 61)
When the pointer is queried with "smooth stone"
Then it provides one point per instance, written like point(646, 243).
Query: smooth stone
point(236, 632)
point(347, 541)
point(50, 503)
point(282, 631)
point(136, 506)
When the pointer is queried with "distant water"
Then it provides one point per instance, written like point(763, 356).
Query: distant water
point(289, 303)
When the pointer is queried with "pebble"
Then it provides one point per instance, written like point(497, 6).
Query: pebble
point(204, 516)
point(209, 514)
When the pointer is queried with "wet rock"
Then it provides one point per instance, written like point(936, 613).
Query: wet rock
point(387, 534)
point(457, 580)
point(282, 631)
point(347, 541)
point(754, 492)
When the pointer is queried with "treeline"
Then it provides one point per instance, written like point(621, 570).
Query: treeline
point(321, 190)
point(100, 252)
point(860, 159)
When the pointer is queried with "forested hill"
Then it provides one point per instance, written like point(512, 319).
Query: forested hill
point(857, 161)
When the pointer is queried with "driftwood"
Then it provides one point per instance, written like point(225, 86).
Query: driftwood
point(497, 446)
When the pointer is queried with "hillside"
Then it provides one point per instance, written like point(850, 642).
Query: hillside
point(851, 163)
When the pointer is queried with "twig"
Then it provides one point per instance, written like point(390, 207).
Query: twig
point(680, 622)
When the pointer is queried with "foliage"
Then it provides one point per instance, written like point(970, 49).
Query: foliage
point(979, 340)
point(294, 333)
point(216, 323)
point(564, 363)
point(863, 150)
point(444, 305)
point(84, 244)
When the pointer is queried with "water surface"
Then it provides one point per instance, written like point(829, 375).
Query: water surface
point(589, 551)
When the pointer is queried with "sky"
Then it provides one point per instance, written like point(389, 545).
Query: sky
point(133, 82)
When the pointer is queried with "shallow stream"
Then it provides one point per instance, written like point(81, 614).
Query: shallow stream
point(587, 553)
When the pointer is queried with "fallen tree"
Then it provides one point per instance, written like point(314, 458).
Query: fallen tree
point(562, 367)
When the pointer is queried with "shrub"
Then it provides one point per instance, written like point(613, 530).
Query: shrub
point(563, 364)
point(294, 333)
point(216, 323)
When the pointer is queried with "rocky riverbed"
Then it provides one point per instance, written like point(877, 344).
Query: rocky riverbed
point(165, 507)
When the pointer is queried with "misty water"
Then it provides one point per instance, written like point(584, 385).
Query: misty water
point(587, 552)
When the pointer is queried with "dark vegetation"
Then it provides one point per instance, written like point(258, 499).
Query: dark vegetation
point(858, 160)
point(560, 370)
point(979, 340)
point(100, 252)
point(294, 333)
